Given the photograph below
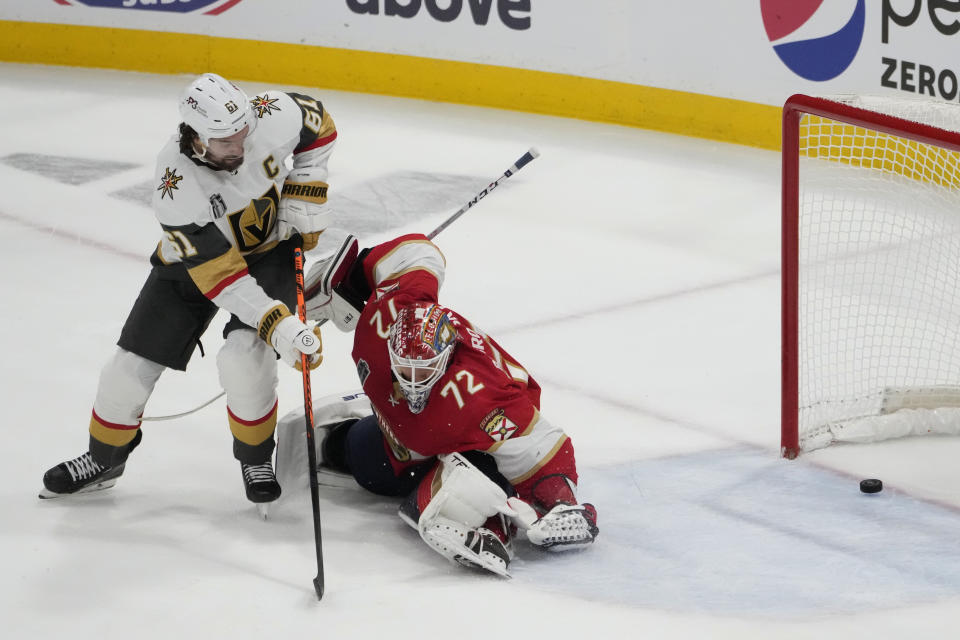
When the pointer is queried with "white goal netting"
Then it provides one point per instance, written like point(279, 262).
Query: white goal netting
point(879, 277)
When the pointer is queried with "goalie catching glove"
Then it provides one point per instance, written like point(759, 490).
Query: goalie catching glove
point(556, 521)
point(290, 338)
point(303, 205)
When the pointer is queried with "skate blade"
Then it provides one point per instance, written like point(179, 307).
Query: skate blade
point(46, 494)
point(263, 508)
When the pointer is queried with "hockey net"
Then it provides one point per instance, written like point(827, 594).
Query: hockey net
point(871, 270)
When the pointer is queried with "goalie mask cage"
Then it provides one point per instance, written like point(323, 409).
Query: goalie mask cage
point(871, 270)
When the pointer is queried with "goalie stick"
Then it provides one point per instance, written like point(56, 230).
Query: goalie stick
point(516, 166)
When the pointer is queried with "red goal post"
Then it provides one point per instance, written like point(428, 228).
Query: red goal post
point(886, 166)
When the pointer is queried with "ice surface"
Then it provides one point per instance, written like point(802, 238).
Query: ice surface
point(635, 274)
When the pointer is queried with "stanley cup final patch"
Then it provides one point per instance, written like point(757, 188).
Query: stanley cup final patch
point(363, 370)
point(498, 426)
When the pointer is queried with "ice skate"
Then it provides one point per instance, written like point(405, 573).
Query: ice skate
point(261, 485)
point(83, 474)
point(80, 475)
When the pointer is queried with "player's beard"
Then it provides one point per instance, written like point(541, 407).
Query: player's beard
point(230, 163)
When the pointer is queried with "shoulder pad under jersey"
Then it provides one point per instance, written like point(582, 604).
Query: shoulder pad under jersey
point(279, 119)
point(178, 197)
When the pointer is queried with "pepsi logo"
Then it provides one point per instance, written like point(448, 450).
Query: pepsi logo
point(816, 40)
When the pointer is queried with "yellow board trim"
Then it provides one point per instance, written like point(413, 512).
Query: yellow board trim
point(556, 94)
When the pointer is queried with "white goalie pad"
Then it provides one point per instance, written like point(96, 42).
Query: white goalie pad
point(478, 548)
point(291, 463)
point(466, 495)
point(452, 524)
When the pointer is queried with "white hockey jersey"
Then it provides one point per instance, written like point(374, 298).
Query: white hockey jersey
point(212, 219)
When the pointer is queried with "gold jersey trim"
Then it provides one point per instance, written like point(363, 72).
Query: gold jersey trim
point(210, 275)
point(543, 461)
point(397, 274)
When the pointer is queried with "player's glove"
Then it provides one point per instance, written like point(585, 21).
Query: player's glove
point(303, 205)
point(327, 296)
point(557, 521)
point(291, 339)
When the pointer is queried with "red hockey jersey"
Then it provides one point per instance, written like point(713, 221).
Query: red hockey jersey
point(485, 401)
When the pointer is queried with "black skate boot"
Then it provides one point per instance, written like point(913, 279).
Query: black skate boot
point(261, 485)
point(83, 474)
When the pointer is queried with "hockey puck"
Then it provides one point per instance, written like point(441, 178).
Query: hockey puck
point(871, 485)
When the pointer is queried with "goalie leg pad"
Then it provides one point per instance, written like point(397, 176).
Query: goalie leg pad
point(476, 548)
point(455, 520)
point(465, 494)
point(335, 413)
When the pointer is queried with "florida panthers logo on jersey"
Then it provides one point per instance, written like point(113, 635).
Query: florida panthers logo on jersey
point(252, 225)
point(497, 425)
point(168, 183)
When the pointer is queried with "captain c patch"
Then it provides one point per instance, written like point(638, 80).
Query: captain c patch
point(497, 425)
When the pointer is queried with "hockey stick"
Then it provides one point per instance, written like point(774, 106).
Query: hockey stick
point(519, 164)
point(308, 416)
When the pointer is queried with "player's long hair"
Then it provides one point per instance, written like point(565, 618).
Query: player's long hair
point(187, 138)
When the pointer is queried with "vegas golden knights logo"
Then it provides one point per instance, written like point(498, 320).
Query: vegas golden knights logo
point(252, 225)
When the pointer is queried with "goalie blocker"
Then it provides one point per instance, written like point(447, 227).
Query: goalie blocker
point(334, 289)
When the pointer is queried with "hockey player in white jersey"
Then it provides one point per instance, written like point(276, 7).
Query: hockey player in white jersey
point(238, 181)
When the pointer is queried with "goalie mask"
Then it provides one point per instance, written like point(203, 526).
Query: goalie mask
point(420, 344)
point(214, 107)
